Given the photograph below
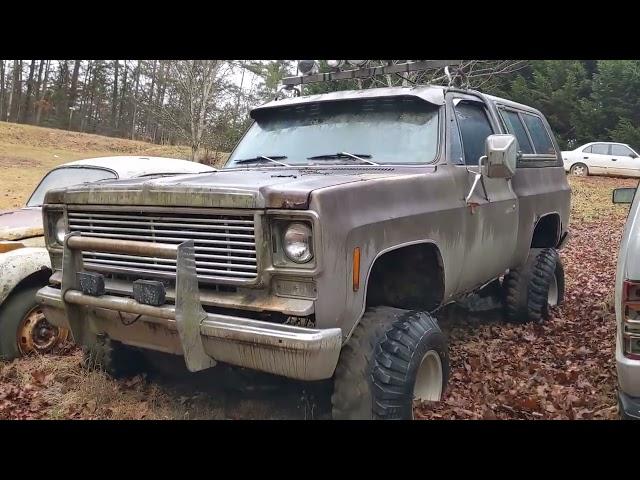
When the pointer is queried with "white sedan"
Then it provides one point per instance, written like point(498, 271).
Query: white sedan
point(602, 158)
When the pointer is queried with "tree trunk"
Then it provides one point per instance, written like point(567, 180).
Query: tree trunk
point(85, 94)
point(43, 95)
point(2, 94)
point(135, 103)
point(150, 103)
point(114, 101)
point(16, 91)
point(26, 111)
point(73, 91)
point(123, 93)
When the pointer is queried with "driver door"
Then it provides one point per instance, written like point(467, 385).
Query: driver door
point(624, 161)
point(491, 219)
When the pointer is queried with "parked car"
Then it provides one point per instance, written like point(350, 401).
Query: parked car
point(322, 249)
point(602, 158)
point(24, 262)
point(627, 306)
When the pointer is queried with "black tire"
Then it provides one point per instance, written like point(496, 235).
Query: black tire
point(113, 358)
point(526, 289)
point(12, 312)
point(573, 169)
point(377, 369)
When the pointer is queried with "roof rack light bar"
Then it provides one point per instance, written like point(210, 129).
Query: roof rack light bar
point(369, 72)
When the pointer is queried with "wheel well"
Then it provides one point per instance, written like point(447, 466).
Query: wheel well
point(547, 232)
point(36, 278)
point(410, 277)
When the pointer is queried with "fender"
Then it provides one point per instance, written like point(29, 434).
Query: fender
point(17, 265)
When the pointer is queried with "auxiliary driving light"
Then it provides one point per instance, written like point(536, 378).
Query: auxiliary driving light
point(307, 67)
point(335, 63)
point(149, 292)
point(91, 283)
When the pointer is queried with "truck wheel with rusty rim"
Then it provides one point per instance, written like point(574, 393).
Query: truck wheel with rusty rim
point(393, 357)
point(112, 357)
point(24, 328)
point(531, 289)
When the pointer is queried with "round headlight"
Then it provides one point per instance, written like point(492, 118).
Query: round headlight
point(60, 230)
point(297, 243)
point(307, 67)
point(335, 63)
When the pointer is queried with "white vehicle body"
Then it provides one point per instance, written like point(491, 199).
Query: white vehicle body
point(627, 321)
point(23, 256)
point(602, 158)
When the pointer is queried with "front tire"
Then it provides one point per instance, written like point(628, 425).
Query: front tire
point(531, 289)
point(24, 329)
point(392, 357)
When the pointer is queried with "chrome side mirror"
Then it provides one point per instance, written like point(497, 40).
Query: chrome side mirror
point(623, 195)
point(501, 153)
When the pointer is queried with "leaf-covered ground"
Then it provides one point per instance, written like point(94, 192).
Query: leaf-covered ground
point(561, 369)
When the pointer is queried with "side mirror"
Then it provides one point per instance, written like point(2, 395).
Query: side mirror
point(501, 156)
point(623, 195)
point(633, 155)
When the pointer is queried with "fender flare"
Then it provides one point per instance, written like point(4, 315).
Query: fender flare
point(17, 265)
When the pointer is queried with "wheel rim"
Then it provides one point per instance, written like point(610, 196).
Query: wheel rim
point(552, 295)
point(579, 171)
point(428, 386)
point(36, 334)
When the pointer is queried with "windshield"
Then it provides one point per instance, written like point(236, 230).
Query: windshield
point(386, 131)
point(66, 177)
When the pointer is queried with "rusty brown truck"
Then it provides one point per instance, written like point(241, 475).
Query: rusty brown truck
point(339, 224)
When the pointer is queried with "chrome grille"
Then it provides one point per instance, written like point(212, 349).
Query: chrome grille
point(224, 244)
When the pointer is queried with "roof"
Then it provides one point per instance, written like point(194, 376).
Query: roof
point(136, 166)
point(429, 93)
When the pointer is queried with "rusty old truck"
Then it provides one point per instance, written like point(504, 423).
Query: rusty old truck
point(340, 223)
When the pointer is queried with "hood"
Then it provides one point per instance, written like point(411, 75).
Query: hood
point(21, 223)
point(233, 188)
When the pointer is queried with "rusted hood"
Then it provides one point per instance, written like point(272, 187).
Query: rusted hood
point(20, 223)
point(236, 188)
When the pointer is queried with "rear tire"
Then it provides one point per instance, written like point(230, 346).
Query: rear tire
point(532, 288)
point(579, 170)
point(392, 356)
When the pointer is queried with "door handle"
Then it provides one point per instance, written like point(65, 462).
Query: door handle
point(586, 158)
point(614, 159)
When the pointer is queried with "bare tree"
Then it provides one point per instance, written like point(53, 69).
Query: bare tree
point(195, 82)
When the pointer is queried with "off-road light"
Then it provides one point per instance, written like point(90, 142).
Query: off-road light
point(357, 63)
point(297, 242)
point(60, 230)
point(335, 63)
point(149, 292)
point(91, 283)
point(307, 67)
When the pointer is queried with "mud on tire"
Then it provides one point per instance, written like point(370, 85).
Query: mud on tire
point(527, 289)
point(378, 368)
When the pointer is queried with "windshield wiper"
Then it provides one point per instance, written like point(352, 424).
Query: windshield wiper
point(361, 156)
point(258, 158)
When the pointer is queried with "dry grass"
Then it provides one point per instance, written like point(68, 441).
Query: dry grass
point(28, 152)
point(591, 197)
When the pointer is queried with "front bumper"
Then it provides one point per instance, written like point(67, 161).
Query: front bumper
point(185, 328)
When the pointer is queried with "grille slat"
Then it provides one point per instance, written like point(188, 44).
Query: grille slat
point(224, 244)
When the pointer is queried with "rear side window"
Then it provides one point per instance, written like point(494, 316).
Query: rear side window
point(588, 149)
point(515, 127)
point(474, 129)
point(600, 149)
point(541, 139)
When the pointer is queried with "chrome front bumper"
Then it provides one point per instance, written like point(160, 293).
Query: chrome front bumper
point(203, 338)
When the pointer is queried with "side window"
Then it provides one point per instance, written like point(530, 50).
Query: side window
point(474, 129)
point(600, 149)
point(541, 139)
point(515, 127)
point(621, 151)
point(588, 149)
